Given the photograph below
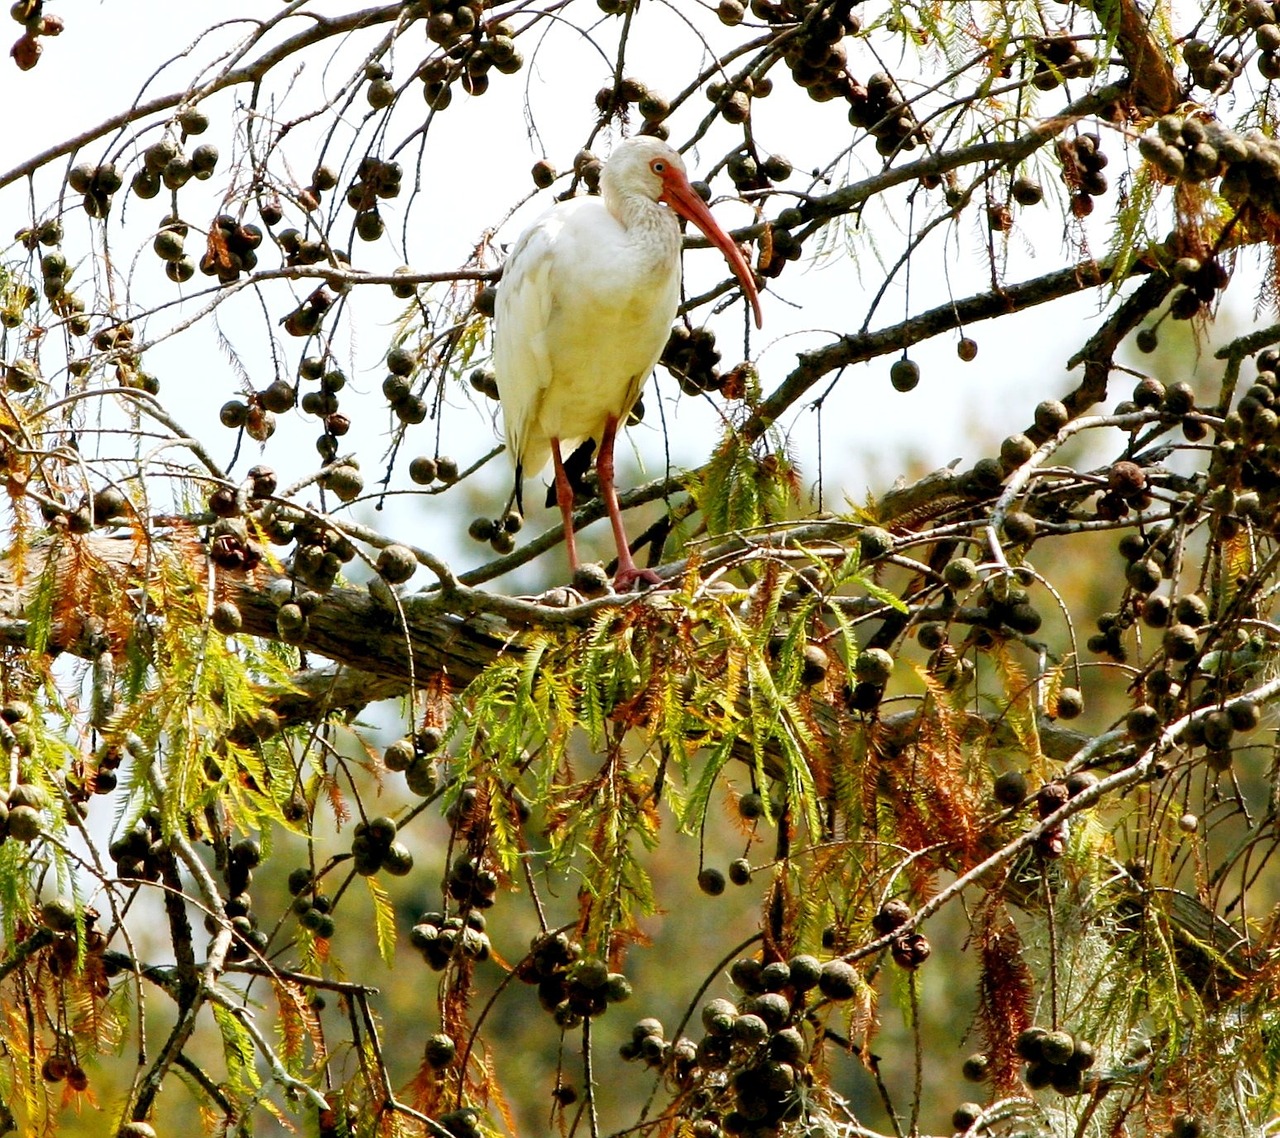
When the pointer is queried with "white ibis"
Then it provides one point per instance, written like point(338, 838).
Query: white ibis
point(586, 304)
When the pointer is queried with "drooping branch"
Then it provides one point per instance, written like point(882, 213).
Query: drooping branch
point(853, 349)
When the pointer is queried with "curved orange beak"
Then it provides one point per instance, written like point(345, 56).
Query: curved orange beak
point(682, 198)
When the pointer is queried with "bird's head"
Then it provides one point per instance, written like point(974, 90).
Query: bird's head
point(647, 167)
point(643, 166)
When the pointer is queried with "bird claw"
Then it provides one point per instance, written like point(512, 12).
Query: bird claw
point(626, 578)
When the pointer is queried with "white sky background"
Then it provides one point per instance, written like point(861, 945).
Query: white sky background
point(475, 170)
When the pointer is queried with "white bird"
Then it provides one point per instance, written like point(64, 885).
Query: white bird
point(585, 307)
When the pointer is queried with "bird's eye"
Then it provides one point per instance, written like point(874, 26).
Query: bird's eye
point(658, 166)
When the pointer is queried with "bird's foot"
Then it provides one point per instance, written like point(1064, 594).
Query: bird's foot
point(629, 575)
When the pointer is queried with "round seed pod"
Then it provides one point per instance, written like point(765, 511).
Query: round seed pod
point(1015, 450)
point(1019, 527)
point(399, 756)
point(291, 623)
point(730, 12)
point(802, 972)
point(787, 1046)
point(403, 289)
point(1051, 416)
point(158, 155)
point(1243, 714)
point(1023, 618)
point(397, 860)
point(1080, 781)
point(59, 915)
point(1144, 576)
point(773, 1008)
point(1038, 1075)
point(838, 980)
point(745, 973)
point(740, 871)
point(1026, 191)
point(234, 413)
point(931, 635)
point(380, 94)
point(750, 1028)
point(440, 1050)
point(181, 270)
point(751, 806)
point(226, 618)
point(278, 396)
point(617, 988)
point(1179, 398)
point(1191, 609)
point(24, 823)
point(396, 564)
point(775, 976)
point(976, 1068)
point(193, 121)
point(177, 173)
point(543, 174)
point(1083, 1057)
point(1180, 642)
point(204, 159)
point(967, 349)
point(904, 374)
point(420, 777)
point(422, 470)
point(873, 666)
point(893, 914)
point(814, 668)
point(874, 542)
point(168, 245)
point(80, 178)
point(1010, 788)
point(397, 390)
point(1070, 703)
point(1050, 798)
point(960, 573)
point(711, 882)
point(910, 950)
point(1057, 1047)
point(590, 580)
point(1142, 723)
point(1217, 730)
point(106, 179)
point(1028, 1044)
point(344, 481)
point(776, 168)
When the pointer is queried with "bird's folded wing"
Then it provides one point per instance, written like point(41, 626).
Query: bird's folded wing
point(521, 355)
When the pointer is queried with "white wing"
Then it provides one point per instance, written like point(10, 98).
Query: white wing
point(521, 358)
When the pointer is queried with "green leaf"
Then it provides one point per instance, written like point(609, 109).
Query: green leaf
point(39, 610)
point(237, 1043)
point(384, 921)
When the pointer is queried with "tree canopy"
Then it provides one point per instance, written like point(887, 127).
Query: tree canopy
point(332, 805)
